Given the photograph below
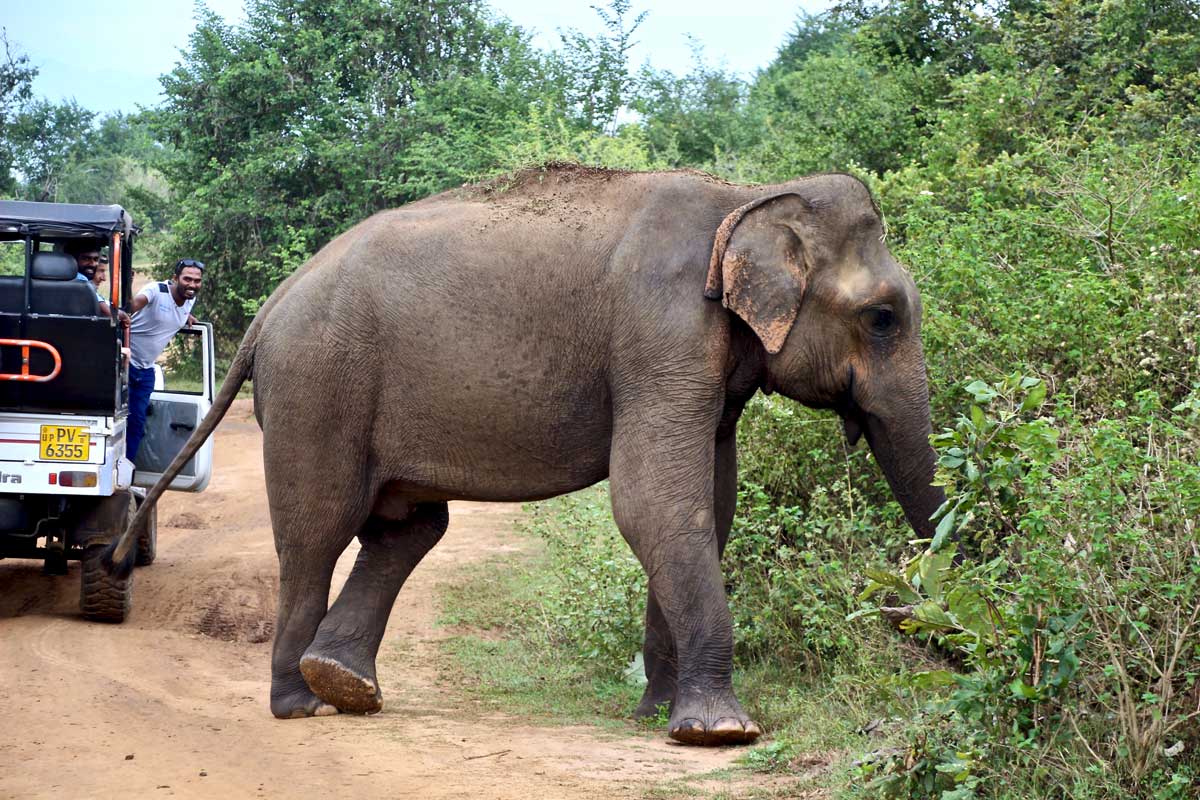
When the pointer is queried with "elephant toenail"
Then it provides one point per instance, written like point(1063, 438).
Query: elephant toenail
point(689, 731)
point(729, 730)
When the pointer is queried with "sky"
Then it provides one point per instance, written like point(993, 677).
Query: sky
point(108, 56)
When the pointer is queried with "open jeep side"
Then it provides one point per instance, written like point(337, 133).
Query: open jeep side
point(66, 487)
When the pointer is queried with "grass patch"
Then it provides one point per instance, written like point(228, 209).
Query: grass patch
point(551, 635)
point(512, 647)
point(851, 708)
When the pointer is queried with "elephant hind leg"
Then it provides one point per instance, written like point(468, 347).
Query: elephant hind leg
point(339, 665)
point(304, 580)
point(658, 657)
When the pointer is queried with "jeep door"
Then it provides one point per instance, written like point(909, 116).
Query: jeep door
point(176, 409)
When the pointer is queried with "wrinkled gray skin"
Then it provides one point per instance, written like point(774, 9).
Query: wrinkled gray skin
point(518, 342)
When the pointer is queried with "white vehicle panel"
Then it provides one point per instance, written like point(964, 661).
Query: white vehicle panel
point(171, 419)
point(20, 436)
point(22, 470)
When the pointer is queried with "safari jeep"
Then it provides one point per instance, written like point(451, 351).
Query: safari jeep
point(66, 488)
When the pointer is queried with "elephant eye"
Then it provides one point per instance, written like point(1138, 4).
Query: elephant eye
point(880, 320)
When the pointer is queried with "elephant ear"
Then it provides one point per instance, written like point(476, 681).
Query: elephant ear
point(758, 267)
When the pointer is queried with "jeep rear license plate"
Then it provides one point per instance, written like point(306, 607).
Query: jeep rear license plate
point(65, 443)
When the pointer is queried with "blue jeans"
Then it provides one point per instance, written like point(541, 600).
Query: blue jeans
point(141, 384)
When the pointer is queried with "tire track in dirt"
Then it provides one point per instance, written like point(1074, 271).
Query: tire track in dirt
point(174, 702)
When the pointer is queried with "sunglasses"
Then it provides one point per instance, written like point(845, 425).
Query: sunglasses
point(189, 262)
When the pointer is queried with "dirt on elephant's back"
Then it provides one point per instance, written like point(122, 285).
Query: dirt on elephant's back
point(174, 702)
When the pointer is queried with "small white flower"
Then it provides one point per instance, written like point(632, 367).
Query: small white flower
point(926, 193)
point(1183, 199)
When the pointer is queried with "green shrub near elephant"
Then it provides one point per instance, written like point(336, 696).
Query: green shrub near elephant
point(523, 339)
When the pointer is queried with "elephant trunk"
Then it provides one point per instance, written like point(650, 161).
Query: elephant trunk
point(903, 451)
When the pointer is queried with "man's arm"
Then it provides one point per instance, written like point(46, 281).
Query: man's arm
point(139, 302)
point(106, 311)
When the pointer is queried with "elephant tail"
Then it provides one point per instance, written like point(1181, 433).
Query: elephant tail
point(116, 557)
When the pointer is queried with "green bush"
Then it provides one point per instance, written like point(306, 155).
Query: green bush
point(836, 109)
point(591, 603)
point(792, 576)
point(1073, 634)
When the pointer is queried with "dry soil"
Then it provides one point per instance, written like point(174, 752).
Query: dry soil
point(174, 701)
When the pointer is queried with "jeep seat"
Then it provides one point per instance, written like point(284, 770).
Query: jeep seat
point(54, 289)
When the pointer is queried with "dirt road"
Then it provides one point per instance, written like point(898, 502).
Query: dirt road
point(174, 702)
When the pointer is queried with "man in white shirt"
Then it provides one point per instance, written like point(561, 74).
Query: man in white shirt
point(160, 309)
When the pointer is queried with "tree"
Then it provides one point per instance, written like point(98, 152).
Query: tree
point(813, 33)
point(838, 109)
point(46, 140)
point(950, 36)
point(119, 162)
point(693, 120)
point(16, 86)
point(598, 66)
point(312, 115)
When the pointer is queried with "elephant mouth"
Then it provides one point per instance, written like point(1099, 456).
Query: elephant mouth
point(854, 419)
point(853, 428)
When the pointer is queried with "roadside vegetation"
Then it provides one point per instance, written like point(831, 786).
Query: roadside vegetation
point(1038, 164)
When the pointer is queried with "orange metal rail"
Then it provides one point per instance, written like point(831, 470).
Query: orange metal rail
point(24, 375)
point(115, 272)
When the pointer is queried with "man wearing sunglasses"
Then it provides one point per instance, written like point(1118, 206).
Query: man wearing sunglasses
point(159, 310)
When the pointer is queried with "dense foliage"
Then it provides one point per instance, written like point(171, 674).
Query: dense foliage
point(311, 116)
point(1039, 166)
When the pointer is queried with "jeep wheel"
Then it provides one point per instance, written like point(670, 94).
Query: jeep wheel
point(147, 541)
point(103, 597)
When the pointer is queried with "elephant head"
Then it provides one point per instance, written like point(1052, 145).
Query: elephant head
point(806, 268)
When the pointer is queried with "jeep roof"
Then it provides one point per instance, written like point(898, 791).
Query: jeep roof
point(19, 218)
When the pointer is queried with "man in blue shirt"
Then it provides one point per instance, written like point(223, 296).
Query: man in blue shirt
point(87, 259)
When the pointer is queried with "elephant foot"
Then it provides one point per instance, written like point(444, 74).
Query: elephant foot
point(299, 705)
point(652, 701)
point(712, 722)
point(335, 683)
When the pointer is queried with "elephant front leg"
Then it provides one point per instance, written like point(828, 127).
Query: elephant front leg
point(662, 495)
point(658, 651)
point(339, 665)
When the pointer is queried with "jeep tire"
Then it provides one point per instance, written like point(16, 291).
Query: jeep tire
point(103, 597)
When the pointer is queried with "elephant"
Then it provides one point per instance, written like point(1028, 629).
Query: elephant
point(522, 338)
